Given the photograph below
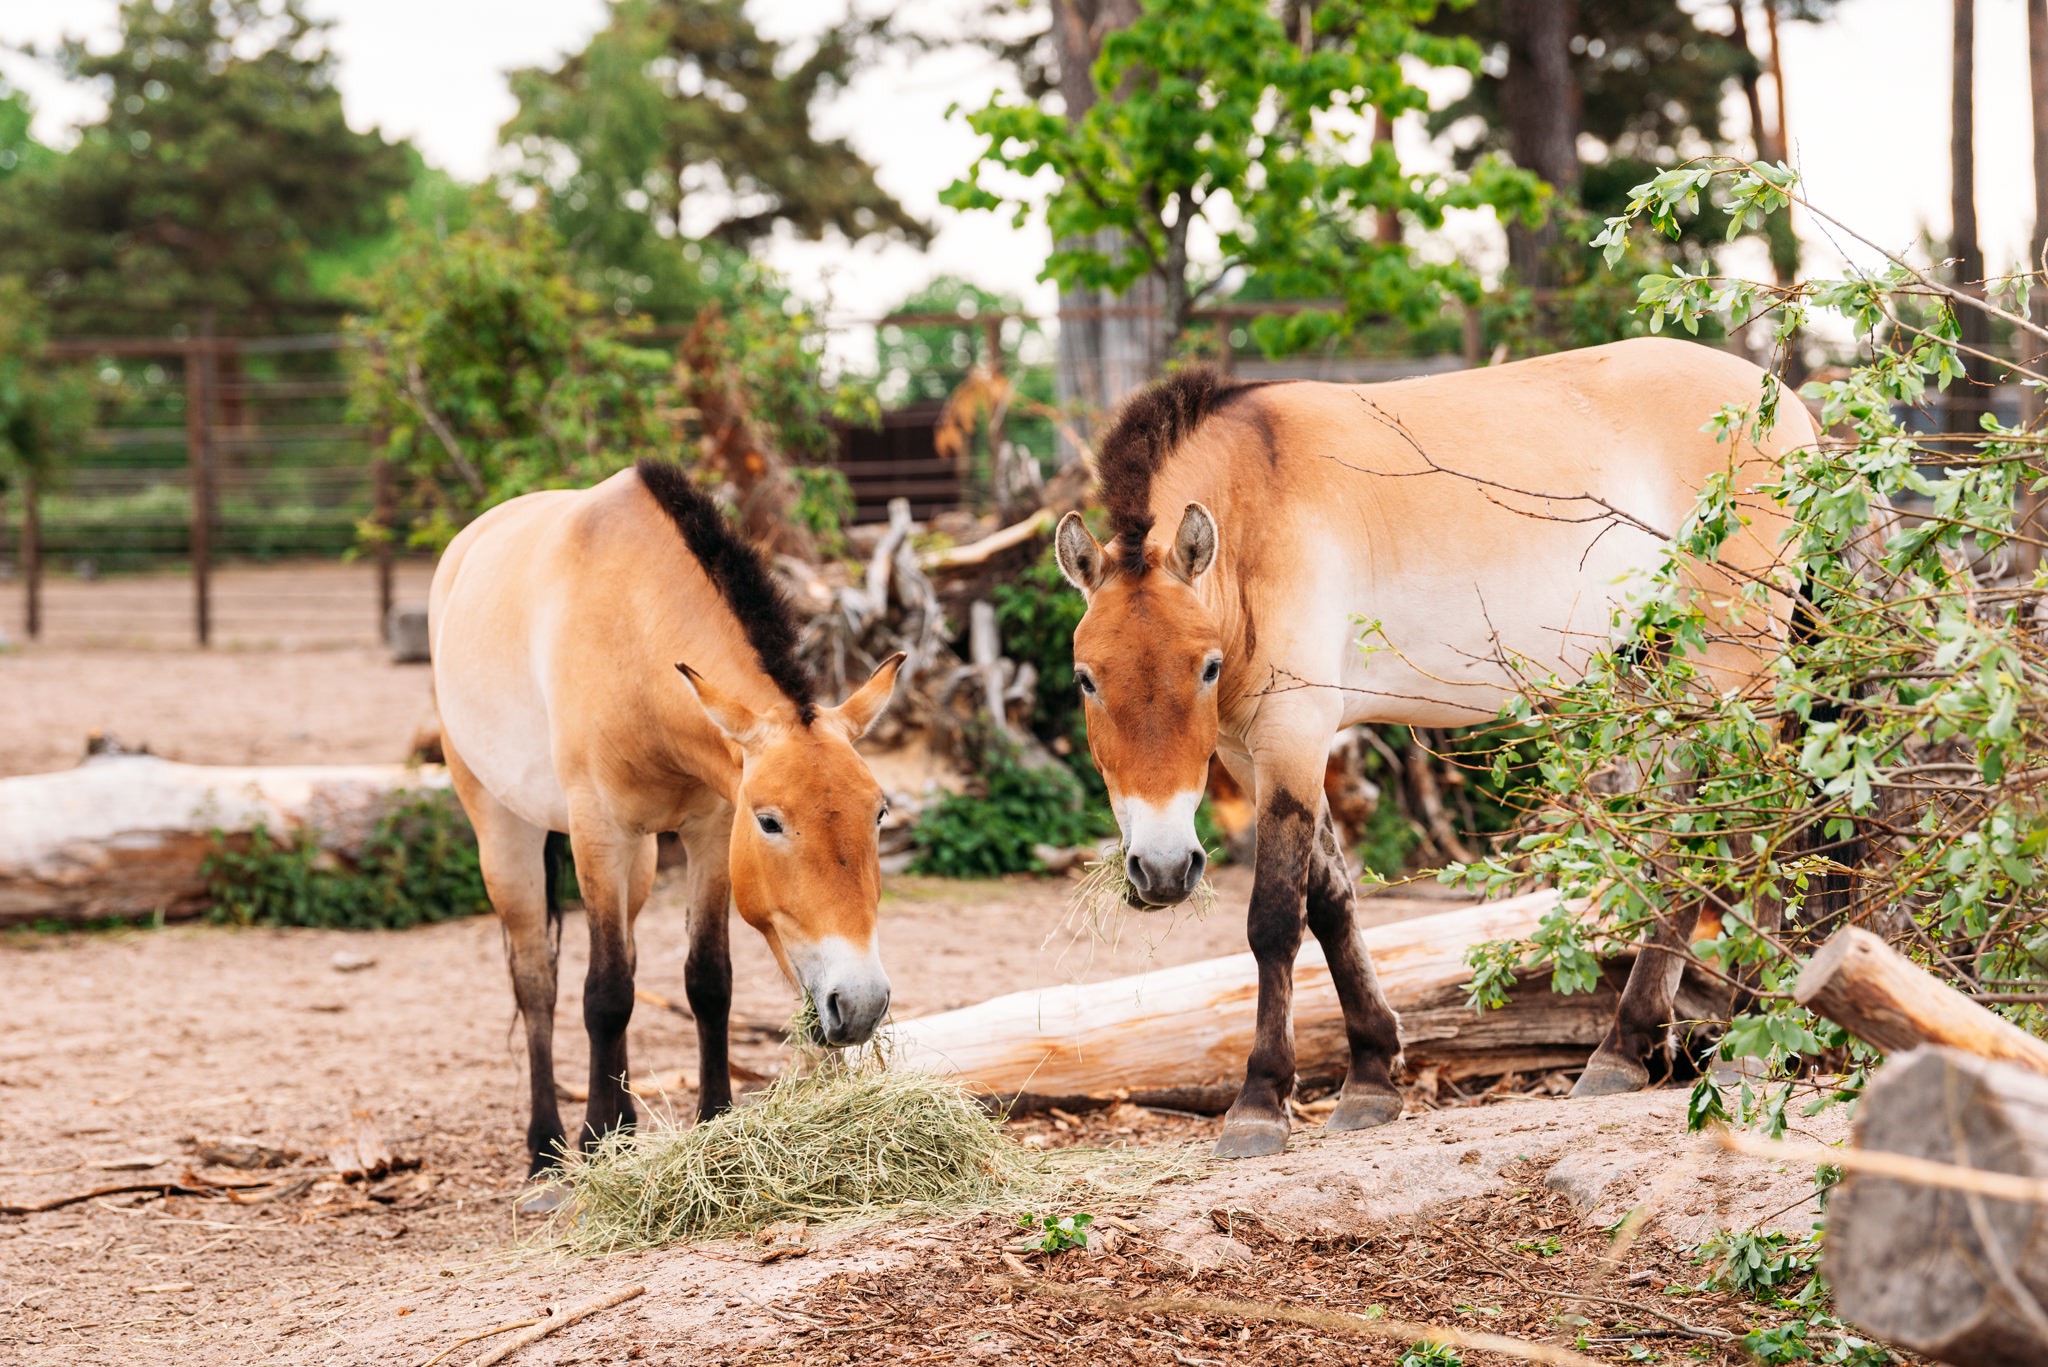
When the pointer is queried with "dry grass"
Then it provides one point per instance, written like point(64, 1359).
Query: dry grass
point(1100, 907)
point(850, 1139)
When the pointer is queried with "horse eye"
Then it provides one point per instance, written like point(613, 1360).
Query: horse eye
point(1087, 683)
point(1211, 671)
point(768, 824)
point(882, 815)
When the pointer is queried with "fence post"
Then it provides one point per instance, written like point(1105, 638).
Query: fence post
point(386, 517)
point(199, 469)
point(32, 553)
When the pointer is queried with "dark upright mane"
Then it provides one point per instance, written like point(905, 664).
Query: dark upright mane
point(1153, 422)
point(741, 577)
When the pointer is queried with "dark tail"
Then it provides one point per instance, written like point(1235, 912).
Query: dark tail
point(1832, 895)
point(554, 853)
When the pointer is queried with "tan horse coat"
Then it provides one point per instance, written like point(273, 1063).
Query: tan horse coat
point(559, 623)
point(1396, 553)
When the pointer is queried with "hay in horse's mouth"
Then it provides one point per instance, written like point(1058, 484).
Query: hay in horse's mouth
point(1105, 890)
point(851, 1139)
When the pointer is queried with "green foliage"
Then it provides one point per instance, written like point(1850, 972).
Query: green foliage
point(1055, 1234)
point(44, 409)
point(1428, 1354)
point(982, 835)
point(418, 865)
point(824, 505)
point(1909, 702)
point(1756, 1264)
point(492, 373)
point(1036, 613)
point(1212, 111)
point(680, 135)
point(222, 161)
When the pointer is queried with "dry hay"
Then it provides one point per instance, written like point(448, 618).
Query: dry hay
point(1100, 905)
point(850, 1139)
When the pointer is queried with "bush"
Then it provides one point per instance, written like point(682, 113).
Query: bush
point(1905, 716)
point(991, 833)
point(418, 865)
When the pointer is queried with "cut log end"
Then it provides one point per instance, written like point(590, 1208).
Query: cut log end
point(1955, 1275)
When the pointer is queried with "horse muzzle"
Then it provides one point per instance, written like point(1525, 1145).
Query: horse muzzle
point(1162, 882)
point(849, 990)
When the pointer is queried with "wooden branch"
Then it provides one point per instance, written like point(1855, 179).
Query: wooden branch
point(1958, 1275)
point(125, 835)
point(556, 1323)
point(1871, 990)
point(1179, 1036)
point(978, 553)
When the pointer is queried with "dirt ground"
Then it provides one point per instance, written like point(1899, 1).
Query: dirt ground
point(122, 1053)
point(133, 1056)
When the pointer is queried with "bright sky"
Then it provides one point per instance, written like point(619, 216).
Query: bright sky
point(1868, 110)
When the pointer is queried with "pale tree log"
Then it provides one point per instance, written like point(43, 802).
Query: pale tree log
point(126, 835)
point(1179, 1036)
point(1878, 995)
point(1960, 1276)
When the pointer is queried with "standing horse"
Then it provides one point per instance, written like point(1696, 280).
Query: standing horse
point(1393, 553)
point(613, 662)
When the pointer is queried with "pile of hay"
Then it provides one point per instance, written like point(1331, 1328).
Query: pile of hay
point(850, 1140)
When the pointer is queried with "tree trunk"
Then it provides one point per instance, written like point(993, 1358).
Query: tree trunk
point(1969, 398)
point(1539, 100)
point(1180, 1036)
point(1108, 345)
point(126, 835)
point(1959, 1276)
point(1875, 993)
point(2029, 521)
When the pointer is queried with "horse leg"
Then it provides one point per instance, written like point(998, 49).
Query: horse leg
point(612, 866)
point(515, 876)
point(1647, 1004)
point(707, 972)
point(1372, 1029)
point(1289, 792)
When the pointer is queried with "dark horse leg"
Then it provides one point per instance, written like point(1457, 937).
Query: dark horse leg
point(1620, 1064)
point(511, 852)
point(707, 972)
point(1373, 1030)
point(1294, 872)
point(615, 871)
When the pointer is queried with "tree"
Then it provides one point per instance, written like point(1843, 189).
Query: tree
point(44, 410)
point(222, 161)
point(680, 131)
point(1210, 112)
point(1971, 399)
point(1638, 78)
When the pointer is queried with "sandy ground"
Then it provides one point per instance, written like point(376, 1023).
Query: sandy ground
point(124, 1054)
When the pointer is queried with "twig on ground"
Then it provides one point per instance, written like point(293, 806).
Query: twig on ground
point(119, 1189)
point(2003, 1186)
point(557, 1323)
point(492, 1332)
point(1393, 1331)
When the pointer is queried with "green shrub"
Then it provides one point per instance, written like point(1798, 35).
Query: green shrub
point(418, 865)
point(983, 835)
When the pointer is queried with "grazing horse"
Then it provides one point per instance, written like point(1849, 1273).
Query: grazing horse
point(1292, 558)
point(614, 662)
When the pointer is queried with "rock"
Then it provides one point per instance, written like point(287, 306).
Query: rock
point(405, 631)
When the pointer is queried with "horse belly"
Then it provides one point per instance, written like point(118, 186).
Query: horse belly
point(1448, 649)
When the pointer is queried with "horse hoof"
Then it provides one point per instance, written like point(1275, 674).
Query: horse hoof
point(545, 1199)
point(1364, 1111)
point(1252, 1138)
point(1610, 1077)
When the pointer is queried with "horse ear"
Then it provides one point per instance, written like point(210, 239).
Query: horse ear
point(739, 722)
point(1079, 553)
point(1194, 545)
point(868, 701)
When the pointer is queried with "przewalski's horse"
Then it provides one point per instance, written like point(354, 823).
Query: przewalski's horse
point(615, 661)
point(1293, 558)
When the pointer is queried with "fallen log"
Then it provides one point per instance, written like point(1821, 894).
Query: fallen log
point(1961, 1276)
point(125, 835)
point(1179, 1036)
point(1878, 995)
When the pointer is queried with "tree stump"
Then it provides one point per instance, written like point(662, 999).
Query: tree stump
point(1958, 1276)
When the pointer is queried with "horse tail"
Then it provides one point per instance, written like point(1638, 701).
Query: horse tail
point(554, 853)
